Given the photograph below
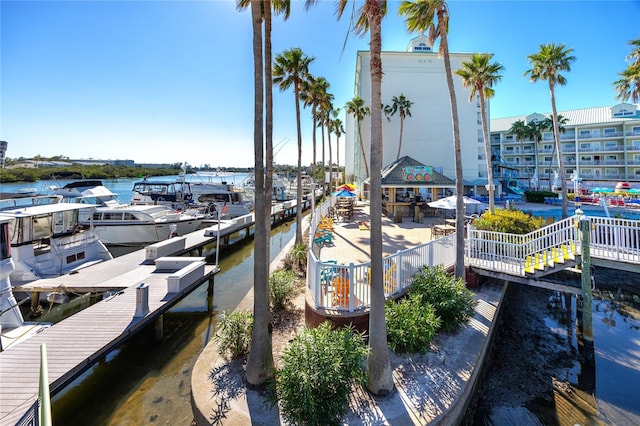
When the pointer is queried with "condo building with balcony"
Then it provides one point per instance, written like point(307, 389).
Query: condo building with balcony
point(600, 146)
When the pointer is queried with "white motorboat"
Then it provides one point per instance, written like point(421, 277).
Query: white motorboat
point(47, 239)
point(208, 198)
point(127, 224)
point(13, 328)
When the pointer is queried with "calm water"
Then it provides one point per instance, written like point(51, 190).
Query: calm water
point(122, 187)
point(144, 382)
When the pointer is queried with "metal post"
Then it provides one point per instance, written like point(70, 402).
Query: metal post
point(587, 300)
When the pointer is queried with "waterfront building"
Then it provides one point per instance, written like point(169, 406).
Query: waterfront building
point(419, 75)
point(600, 146)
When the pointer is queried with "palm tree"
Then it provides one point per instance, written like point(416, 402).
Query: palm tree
point(359, 111)
point(547, 123)
point(433, 16)
point(629, 85)
point(522, 132)
point(338, 130)
point(480, 75)
point(402, 106)
point(291, 68)
point(260, 360)
point(547, 65)
point(313, 94)
point(369, 18)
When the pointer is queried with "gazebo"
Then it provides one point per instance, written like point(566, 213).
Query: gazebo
point(408, 185)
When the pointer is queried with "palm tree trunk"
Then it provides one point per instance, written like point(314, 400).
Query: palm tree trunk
point(330, 159)
point(313, 164)
point(299, 177)
point(364, 157)
point(487, 152)
point(260, 360)
point(379, 376)
point(400, 140)
point(459, 268)
point(556, 137)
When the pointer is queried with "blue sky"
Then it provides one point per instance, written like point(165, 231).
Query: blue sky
point(172, 81)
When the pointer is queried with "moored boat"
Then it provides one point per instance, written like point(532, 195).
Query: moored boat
point(122, 224)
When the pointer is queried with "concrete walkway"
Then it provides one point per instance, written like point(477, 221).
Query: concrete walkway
point(431, 388)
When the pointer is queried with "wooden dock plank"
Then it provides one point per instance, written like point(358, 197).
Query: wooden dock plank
point(77, 342)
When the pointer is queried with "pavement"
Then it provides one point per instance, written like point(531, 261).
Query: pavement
point(430, 388)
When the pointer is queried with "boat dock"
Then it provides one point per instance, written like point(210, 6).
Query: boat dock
point(145, 284)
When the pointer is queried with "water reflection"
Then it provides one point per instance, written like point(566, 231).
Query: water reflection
point(144, 381)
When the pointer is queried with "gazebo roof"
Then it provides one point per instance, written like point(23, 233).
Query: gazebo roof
point(409, 172)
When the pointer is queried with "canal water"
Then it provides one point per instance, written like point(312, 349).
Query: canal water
point(539, 372)
point(145, 382)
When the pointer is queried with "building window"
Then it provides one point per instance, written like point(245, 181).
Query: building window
point(547, 147)
point(609, 132)
point(635, 130)
point(585, 158)
point(585, 146)
point(588, 172)
point(421, 47)
point(585, 133)
point(547, 136)
point(611, 145)
point(611, 172)
point(636, 172)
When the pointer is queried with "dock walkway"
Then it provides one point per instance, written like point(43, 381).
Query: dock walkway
point(76, 343)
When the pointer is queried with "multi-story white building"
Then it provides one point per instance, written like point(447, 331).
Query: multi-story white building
point(419, 75)
point(599, 145)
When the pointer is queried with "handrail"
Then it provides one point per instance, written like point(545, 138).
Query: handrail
point(399, 269)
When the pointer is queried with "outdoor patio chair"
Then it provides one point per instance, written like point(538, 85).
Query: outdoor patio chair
point(341, 295)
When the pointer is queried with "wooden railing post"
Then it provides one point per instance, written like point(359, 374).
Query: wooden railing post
point(587, 300)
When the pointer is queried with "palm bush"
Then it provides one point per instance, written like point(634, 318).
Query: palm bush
point(411, 324)
point(283, 286)
point(296, 259)
point(233, 336)
point(453, 302)
point(319, 369)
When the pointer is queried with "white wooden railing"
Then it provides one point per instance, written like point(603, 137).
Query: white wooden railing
point(399, 268)
point(611, 238)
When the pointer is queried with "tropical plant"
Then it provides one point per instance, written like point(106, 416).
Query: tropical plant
point(411, 324)
point(547, 65)
point(291, 68)
point(479, 75)
point(402, 106)
point(547, 123)
point(628, 86)
point(296, 259)
point(314, 94)
point(432, 16)
point(319, 369)
point(509, 221)
point(283, 286)
point(259, 367)
point(453, 302)
point(359, 111)
point(233, 336)
point(368, 18)
point(338, 130)
point(530, 131)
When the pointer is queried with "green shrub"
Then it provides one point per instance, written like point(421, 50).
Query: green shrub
point(319, 369)
point(283, 286)
point(509, 221)
point(411, 324)
point(234, 333)
point(449, 296)
point(296, 259)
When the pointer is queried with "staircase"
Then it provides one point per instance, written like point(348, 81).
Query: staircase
point(551, 260)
